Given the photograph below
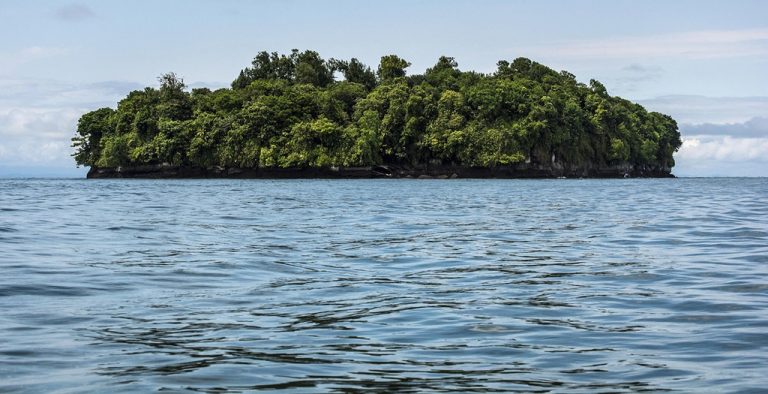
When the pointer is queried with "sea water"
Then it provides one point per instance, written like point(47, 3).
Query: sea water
point(384, 285)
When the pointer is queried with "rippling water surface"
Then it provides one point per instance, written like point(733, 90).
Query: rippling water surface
point(384, 285)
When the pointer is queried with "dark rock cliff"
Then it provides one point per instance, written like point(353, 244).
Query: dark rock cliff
point(386, 171)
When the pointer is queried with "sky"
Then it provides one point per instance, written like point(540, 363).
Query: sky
point(702, 62)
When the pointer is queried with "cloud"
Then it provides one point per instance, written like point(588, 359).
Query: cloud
point(756, 127)
point(35, 122)
point(706, 44)
point(725, 149)
point(729, 149)
point(634, 75)
point(14, 60)
point(39, 117)
point(33, 135)
point(74, 12)
point(702, 109)
point(722, 156)
point(639, 73)
point(51, 93)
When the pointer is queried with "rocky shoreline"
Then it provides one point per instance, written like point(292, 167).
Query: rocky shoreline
point(165, 171)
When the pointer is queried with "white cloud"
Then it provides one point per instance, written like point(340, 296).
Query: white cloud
point(39, 117)
point(37, 152)
point(702, 109)
point(690, 45)
point(722, 156)
point(37, 122)
point(13, 60)
point(51, 93)
point(724, 149)
point(34, 135)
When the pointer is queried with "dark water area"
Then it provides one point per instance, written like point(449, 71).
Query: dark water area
point(384, 285)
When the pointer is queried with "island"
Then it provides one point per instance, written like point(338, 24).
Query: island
point(298, 115)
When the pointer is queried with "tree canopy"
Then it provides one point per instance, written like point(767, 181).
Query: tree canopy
point(290, 111)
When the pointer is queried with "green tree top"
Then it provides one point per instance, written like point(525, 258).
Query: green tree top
point(392, 66)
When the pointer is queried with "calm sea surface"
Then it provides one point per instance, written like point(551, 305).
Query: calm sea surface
point(384, 285)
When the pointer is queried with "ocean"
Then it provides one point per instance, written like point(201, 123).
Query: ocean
point(569, 285)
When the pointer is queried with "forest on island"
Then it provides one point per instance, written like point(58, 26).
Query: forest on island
point(300, 110)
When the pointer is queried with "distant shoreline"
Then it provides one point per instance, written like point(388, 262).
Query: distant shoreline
point(521, 171)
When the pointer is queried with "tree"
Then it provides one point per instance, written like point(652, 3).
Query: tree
point(267, 65)
point(174, 101)
point(445, 135)
point(355, 71)
point(444, 74)
point(391, 67)
point(312, 69)
point(171, 84)
point(619, 150)
point(90, 129)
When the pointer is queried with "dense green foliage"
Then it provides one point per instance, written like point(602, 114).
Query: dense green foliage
point(289, 111)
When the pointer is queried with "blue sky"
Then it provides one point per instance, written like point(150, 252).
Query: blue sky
point(702, 62)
